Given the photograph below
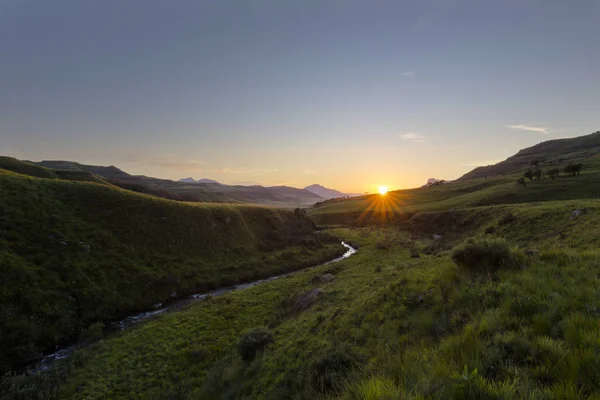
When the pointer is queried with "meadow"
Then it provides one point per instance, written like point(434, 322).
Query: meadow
point(451, 296)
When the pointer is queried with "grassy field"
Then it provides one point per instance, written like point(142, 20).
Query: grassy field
point(400, 320)
point(76, 253)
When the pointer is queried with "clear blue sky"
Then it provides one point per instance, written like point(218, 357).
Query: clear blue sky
point(350, 94)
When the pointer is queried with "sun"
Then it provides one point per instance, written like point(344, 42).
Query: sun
point(383, 190)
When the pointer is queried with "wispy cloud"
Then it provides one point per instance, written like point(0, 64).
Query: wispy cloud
point(414, 136)
point(531, 128)
point(408, 73)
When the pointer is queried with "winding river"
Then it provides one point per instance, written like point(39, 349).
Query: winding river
point(128, 322)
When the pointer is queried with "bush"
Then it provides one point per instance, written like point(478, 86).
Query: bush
point(490, 230)
point(328, 373)
point(573, 169)
point(483, 254)
point(253, 342)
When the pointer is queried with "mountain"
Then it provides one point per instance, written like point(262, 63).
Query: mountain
point(191, 180)
point(324, 192)
point(558, 152)
point(188, 189)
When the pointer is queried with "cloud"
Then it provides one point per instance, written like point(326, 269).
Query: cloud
point(408, 73)
point(539, 129)
point(310, 171)
point(414, 136)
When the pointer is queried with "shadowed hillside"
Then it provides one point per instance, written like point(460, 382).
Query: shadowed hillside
point(73, 253)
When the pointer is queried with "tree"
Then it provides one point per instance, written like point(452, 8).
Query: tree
point(300, 213)
point(553, 173)
point(537, 173)
point(521, 182)
point(528, 175)
point(574, 169)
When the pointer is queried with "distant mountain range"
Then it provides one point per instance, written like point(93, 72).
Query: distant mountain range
point(324, 192)
point(202, 190)
point(191, 180)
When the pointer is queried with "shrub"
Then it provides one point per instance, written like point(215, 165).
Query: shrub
point(490, 230)
point(483, 254)
point(574, 169)
point(328, 373)
point(507, 219)
point(529, 175)
point(253, 342)
point(553, 173)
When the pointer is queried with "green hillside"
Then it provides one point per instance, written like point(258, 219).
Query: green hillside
point(475, 192)
point(73, 253)
point(26, 168)
point(389, 326)
point(557, 152)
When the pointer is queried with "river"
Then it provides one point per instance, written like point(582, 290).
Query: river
point(132, 320)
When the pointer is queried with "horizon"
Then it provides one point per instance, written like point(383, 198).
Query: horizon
point(351, 95)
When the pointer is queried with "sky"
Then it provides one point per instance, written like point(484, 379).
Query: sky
point(349, 94)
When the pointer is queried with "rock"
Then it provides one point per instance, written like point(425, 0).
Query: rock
point(307, 300)
point(173, 294)
point(63, 243)
point(157, 306)
point(327, 278)
point(576, 214)
point(437, 237)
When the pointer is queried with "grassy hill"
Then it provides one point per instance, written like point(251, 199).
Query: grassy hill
point(73, 253)
point(470, 191)
point(277, 196)
point(389, 325)
point(557, 152)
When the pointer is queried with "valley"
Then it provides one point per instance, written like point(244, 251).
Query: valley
point(477, 288)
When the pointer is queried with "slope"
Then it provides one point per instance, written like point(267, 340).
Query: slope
point(557, 152)
point(73, 253)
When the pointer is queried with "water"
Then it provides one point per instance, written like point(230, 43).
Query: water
point(133, 320)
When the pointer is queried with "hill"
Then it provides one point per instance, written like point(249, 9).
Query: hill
point(470, 191)
point(324, 192)
point(196, 191)
point(76, 253)
point(557, 152)
point(192, 180)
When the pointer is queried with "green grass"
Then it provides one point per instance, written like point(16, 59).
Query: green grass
point(74, 253)
point(388, 325)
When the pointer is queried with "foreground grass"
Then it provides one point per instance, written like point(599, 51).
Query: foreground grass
point(388, 326)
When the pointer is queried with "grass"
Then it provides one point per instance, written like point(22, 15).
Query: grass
point(76, 253)
point(388, 325)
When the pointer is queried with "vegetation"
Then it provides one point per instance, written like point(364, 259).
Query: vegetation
point(73, 254)
point(475, 289)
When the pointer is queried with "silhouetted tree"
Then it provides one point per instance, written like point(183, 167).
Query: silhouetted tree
point(521, 182)
point(528, 175)
point(573, 169)
point(537, 173)
point(553, 173)
point(299, 212)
